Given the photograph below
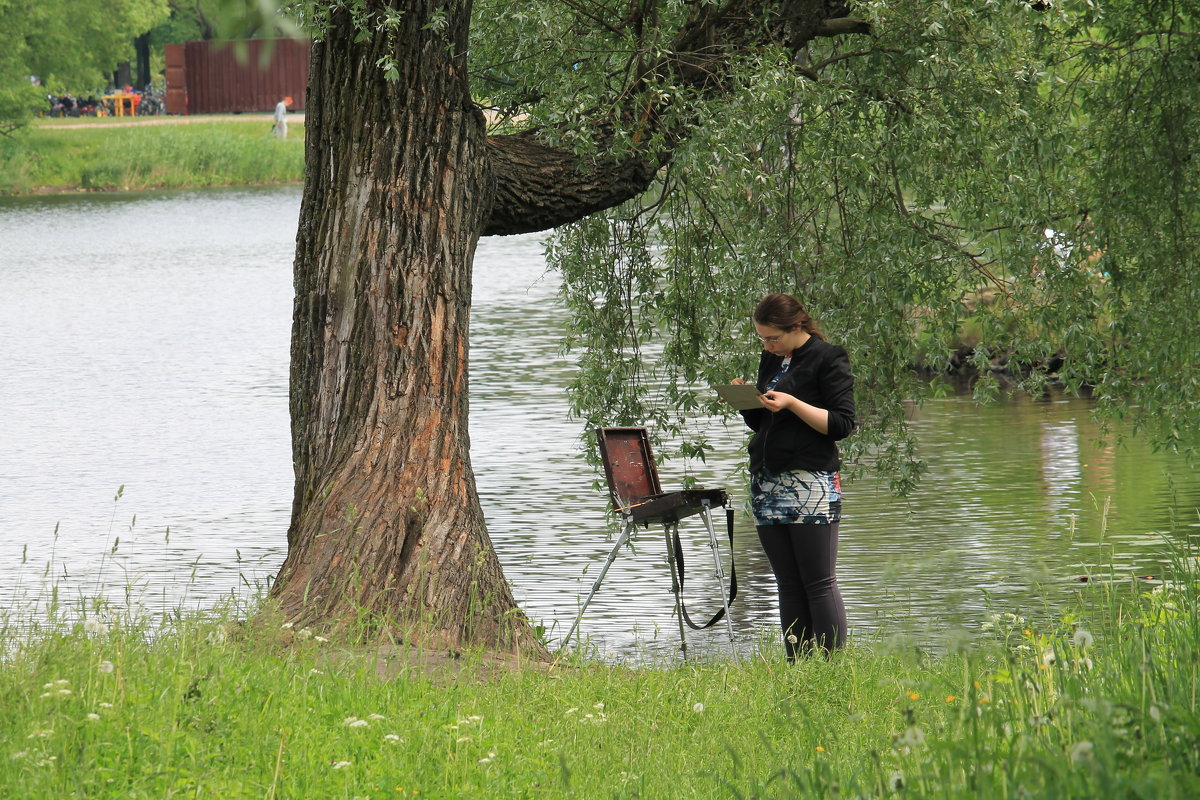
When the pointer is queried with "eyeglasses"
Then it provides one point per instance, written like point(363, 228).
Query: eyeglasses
point(769, 339)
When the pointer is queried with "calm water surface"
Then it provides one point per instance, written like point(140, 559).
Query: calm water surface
point(146, 346)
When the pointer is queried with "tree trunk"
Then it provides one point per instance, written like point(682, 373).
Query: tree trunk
point(386, 525)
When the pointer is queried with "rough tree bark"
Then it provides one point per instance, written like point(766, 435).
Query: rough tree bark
point(402, 180)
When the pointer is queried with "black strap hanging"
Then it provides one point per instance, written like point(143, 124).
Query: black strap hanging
point(732, 574)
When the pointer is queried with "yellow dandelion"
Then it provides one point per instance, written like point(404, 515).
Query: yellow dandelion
point(951, 698)
point(976, 684)
point(820, 749)
point(913, 695)
point(985, 700)
point(1028, 632)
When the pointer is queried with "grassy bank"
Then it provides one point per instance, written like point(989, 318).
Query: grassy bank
point(113, 156)
point(1101, 704)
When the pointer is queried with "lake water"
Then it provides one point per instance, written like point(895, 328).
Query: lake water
point(146, 346)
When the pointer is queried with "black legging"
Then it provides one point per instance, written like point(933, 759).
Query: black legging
point(804, 559)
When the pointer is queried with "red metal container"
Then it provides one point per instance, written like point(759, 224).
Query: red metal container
point(230, 77)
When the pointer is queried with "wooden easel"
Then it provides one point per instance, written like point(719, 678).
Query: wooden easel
point(639, 498)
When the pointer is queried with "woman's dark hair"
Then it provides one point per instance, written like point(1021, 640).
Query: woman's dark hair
point(784, 312)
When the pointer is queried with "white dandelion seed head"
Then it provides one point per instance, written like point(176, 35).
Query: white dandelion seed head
point(1081, 752)
point(93, 627)
point(792, 638)
point(698, 708)
point(217, 636)
point(1155, 713)
point(912, 737)
point(1082, 639)
point(1084, 663)
point(1048, 656)
point(106, 667)
point(896, 781)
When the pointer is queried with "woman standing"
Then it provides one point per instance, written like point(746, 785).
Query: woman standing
point(808, 405)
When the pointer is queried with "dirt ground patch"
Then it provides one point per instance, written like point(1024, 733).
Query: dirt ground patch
point(262, 117)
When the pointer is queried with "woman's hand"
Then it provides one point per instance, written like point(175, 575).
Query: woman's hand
point(778, 401)
point(738, 382)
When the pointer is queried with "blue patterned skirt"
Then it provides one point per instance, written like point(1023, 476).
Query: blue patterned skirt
point(798, 497)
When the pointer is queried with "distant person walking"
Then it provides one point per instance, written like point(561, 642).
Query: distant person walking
point(281, 110)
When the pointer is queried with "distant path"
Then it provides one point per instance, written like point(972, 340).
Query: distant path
point(163, 119)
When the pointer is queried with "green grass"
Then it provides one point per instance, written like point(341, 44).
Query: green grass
point(1103, 704)
point(150, 156)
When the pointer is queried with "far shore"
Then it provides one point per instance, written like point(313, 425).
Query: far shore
point(69, 123)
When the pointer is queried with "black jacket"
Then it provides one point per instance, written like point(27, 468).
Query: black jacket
point(819, 375)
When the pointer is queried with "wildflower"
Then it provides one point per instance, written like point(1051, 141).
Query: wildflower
point(572, 710)
point(340, 764)
point(93, 717)
point(393, 738)
point(315, 672)
point(1048, 656)
point(106, 667)
point(987, 626)
point(896, 781)
point(304, 633)
point(1081, 752)
point(913, 695)
point(1084, 663)
point(1037, 720)
point(64, 692)
point(820, 749)
point(106, 705)
point(375, 716)
point(56, 684)
point(1155, 713)
point(950, 698)
point(216, 636)
point(912, 737)
point(792, 638)
point(19, 755)
point(1082, 639)
point(462, 739)
point(599, 706)
point(287, 626)
point(355, 722)
point(487, 759)
point(985, 699)
point(94, 627)
point(698, 708)
point(41, 734)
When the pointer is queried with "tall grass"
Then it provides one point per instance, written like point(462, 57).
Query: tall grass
point(98, 703)
point(111, 157)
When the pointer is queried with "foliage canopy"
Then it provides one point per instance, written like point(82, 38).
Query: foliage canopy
point(1015, 182)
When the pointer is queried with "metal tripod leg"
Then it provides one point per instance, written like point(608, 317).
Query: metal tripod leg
point(626, 532)
point(714, 543)
point(675, 588)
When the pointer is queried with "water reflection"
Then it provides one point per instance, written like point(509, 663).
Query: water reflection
point(148, 346)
